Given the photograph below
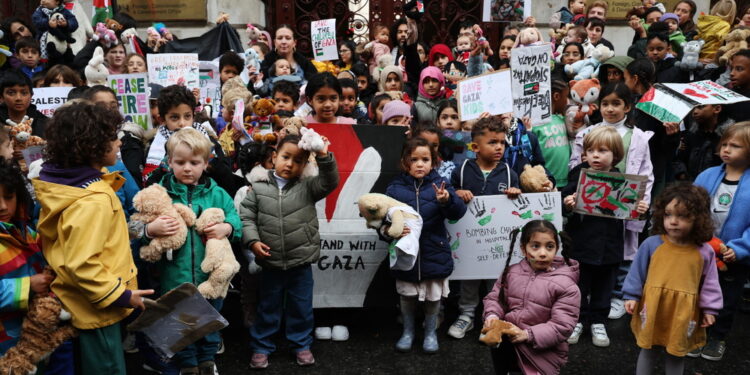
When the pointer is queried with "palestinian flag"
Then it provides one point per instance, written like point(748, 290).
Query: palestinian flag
point(102, 11)
point(664, 105)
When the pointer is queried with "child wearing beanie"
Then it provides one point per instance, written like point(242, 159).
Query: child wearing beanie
point(397, 113)
point(676, 37)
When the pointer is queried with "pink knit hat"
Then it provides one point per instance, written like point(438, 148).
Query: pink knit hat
point(395, 108)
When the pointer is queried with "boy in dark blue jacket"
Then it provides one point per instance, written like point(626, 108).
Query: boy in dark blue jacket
point(488, 174)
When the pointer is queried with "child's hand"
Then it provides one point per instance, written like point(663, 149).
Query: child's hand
point(260, 250)
point(512, 193)
point(484, 115)
point(441, 193)
point(529, 22)
point(197, 95)
point(466, 195)
point(489, 320)
point(163, 226)
point(136, 297)
point(729, 255)
point(526, 121)
point(517, 335)
point(708, 320)
point(324, 152)
point(642, 207)
point(672, 127)
point(40, 282)
point(630, 306)
point(570, 201)
point(218, 231)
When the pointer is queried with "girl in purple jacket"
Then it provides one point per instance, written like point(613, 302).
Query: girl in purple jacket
point(539, 296)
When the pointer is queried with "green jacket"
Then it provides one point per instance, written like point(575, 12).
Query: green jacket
point(185, 265)
point(286, 219)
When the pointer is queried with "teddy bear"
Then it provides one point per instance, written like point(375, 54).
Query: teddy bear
point(585, 93)
point(291, 126)
point(219, 262)
point(493, 334)
point(589, 68)
point(734, 41)
point(44, 328)
point(152, 203)
point(95, 71)
point(377, 209)
point(719, 248)
point(529, 36)
point(690, 52)
point(104, 35)
point(264, 121)
point(535, 180)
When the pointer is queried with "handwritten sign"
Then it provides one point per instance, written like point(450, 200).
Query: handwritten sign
point(480, 241)
point(132, 96)
point(505, 11)
point(210, 86)
point(530, 82)
point(323, 37)
point(32, 154)
point(485, 93)
point(671, 102)
point(169, 69)
point(48, 99)
point(609, 194)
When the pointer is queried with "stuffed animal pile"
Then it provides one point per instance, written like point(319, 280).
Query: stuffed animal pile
point(152, 203)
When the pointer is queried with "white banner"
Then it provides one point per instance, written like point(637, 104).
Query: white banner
point(47, 99)
point(485, 93)
point(168, 69)
point(323, 37)
point(480, 241)
point(531, 84)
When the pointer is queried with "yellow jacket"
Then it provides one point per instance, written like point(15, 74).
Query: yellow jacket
point(85, 240)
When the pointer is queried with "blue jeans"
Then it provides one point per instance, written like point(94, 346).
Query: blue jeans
point(289, 292)
point(202, 350)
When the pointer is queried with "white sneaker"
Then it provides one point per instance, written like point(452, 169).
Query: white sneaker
point(599, 335)
point(616, 309)
point(323, 333)
point(462, 325)
point(573, 339)
point(340, 333)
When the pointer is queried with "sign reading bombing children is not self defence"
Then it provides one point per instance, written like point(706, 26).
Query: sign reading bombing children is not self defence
point(530, 82)
point(132, 96)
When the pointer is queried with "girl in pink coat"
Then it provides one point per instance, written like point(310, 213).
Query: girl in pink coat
point(539, 296)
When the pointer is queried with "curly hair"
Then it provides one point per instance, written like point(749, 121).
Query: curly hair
point(172, 96)
point(11, 179)
point(694, 202)
point(80, 134)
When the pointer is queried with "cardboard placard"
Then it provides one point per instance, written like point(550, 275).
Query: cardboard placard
point(168, 69)
point(323, 37)
point(484, 93)
point(48, 99)
point(531, 83)
point(671, 102)
point(609, 194)
point(480, 241)
point(132, 96)
point(32, 154)
point(505, 11)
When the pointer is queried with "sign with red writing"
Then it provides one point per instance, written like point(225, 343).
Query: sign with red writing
point(323, 36)
point(609, 194)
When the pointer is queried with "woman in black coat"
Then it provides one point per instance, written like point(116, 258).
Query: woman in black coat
point(284, 43)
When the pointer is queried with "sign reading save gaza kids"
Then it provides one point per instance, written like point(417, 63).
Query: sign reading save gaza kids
point(530, 82)
point(323, 36)
point(609, 194)
point(485, 93)
point(132, 96)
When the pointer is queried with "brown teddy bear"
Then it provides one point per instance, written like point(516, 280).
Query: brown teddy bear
point(734, 41)
point(292, 125)
point(264, 120)
point(153, 202)
point(535, 180)
point(219, 261)
point(42, 331)
point(493, 334)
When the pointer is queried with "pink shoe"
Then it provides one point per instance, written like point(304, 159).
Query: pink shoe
point(259, 361)
point(305, 358)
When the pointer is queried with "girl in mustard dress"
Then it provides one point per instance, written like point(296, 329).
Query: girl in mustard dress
point(672, 289)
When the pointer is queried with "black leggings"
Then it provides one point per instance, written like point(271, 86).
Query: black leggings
point(504, 358)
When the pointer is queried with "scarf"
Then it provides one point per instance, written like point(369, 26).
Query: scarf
point(16, 245)
point(431, 72)
point(158, 149)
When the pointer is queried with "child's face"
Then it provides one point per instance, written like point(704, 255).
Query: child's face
point(571, 54)
point(116, 56)
point(283, 67)
point(599, 157)
point(678, 222)
point(228, 72)
point(505, 47)
point(577, 6)
point(395, 121)
point(653, 17)
point(6, 148)
point(420, 162)
point(540, 251)
point(422, 53)
point(348, 101)
point(362, 82)
point(379, 111)
point(325, 103)
point(597, 12)
point(560, 101)
point(17, 98)
point(155, 118)
point(8, 204)
point(382, 36)
point(186, 165)
point(672, 25)
point(49, 4)
point(739, 76)
point(432, 138)
point(489, 146)
point(440, 60)
point(614, 74)
point(571, 37)
point(29, 56)
point(137, 65)
point(613, 108)
point(289, 161)
point(110, 158)
point(431, 85)
point(179, 117)
point(392, 83)
point(734, 152)
point(703, 114)
point(449, 120)
point(226, 114)
point(261, 55)
point(648, 3)
point(283, 102)
point(59, 81)
point(657, 50)
point(463, 44)
point(594, 33)
point(106, 99)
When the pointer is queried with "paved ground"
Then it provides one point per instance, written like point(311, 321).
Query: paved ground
point(375, 331)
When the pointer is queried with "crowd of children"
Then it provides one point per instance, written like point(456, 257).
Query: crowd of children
point(71, 210)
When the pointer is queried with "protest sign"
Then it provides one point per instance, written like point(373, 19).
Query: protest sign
point(351, 254)
point(505, 11)
point(47, 99)
point(174, 69)
point(32, 154)
point(323, 37)
point(530, 82)
point(480, 241)
point(671, 102)
point(132, 96)
point(609, 194)
point(485, 93)
point(210, 87)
